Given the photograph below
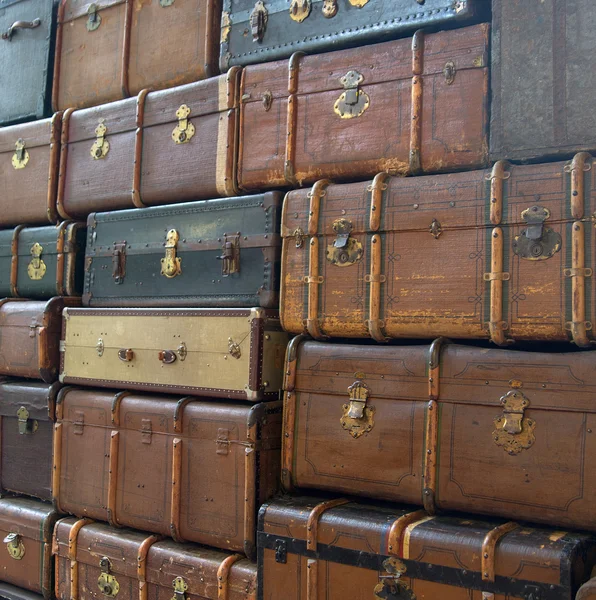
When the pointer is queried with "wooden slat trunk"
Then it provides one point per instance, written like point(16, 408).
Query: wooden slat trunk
point(505, 254)
point(315, 549)
point(405, 107)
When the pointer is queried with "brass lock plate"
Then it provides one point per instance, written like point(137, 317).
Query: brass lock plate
point(345, 250)
point(391, 587)
point(180, 586)
point(353, 102)
point(258, 21)
point(513, 431)
point(26, 425)
point(358, 417)
point(329, 8)
point(536, 242)
point(36, 269)
point(93, 18)
point(20, 158)
point(101, 146)
point(108, 584)
point(234, 349)
point(185, 130)
point(171, 264)
point(15, 546)
point(300, 10)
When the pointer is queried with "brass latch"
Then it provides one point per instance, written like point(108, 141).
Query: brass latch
point(234, 349)
point(298, 235)
point(36, 269)
point(93, 18)
point(180, 586)
point(230, 255)
point(99, 347)
point(536, 242)
point(185, 130)
point(20, 158)
point(329, 8)
point(15, 546)
point(354, 101)
point(119, 262)
point(300, 9)
point(358, 3)
point(107, 583)
point(258, 21)
point(26, 425)
point(101, 146)
point(170, 265)
point(392, 586)
point(514, 431)
point(358, 417)
point(345, 250)
point(435, 229)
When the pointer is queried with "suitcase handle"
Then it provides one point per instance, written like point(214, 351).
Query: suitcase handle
point(20, 25)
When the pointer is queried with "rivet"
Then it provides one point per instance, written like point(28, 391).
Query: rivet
point(416, 206)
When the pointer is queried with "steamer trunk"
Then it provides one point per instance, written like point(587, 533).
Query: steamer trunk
point(310, 549)
point(405, 107)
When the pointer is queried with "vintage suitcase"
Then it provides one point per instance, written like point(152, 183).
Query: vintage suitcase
point(30, 337)
point(315, 549)
point(26, 529)
point(504, 254)
point(29, 158)
point(41, 262)
point(95, 560)
point(255, 32)
point(110, 49)
point(218, 253)
point(212, 464)
point(27, 416)
point(404, 107)
point(219, 353)
point(374, 420)
point(538, 107)
point(160, 148)
point(587, 591)
point(26, 59)
point(11, 592)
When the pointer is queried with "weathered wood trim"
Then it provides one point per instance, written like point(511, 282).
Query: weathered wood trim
point(398, 528)
point(416, 107)
point(497, 326)
point(113, 478)
point(14, 261)
point(176, 492)
point(497, 177)
point(63, 164)
point(138, 158)
point(57, 465)
point(223, 574)
point(72, 556)
point(375, 280)
point(377, 190)
point(142, 564)
point(489, 546)
point(289, 166)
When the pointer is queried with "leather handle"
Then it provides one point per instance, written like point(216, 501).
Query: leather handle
point(167, 356)
point(7, 35)
point(126, 354)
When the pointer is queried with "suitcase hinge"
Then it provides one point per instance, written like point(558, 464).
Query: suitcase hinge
point(258, 21)
point(281, 552)
point(36, 269)
point(180, 586)
point(119, 262)
point(15, 546)
point(230, 254)
point(536, 242)
point(513, 431)
point(185, 130)
point(170, 265)
point(300, 9)
point(101, 146)
point(20, 158)
point(26, 425)
point(353, 102)
point(329, 8)
point(345, 250)
point(392, 586)
point(358, 417)
point(93, 18)
point(99, 347)
point(107, 583)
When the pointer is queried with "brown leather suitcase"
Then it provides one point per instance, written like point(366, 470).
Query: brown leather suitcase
point(211, 464)
point(504, 254)
point(11, 592)
point(30, 337)
point(316, 548)
point(110, 49)
point(448, 426)
point(95, 561)
point(405, 107)
point(29, 158)
point(27, 412)
point(26, 528)
point(159, 148)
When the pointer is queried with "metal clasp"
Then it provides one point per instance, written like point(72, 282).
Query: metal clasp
point(299, 236)
point(234, 349)
point(435, 229)
point(230, 254)
point(329, 8)
point(281, 551)
point(99, 347)
point(258, 21)
point(15, 546)
point(512, 430)
point(36, 269)
point(392, 585)
point(345, 250)
point(300, 9)
point(20, 158)
point(180, 586)
point(101, 146)
point(170, 264)
point(185, 130)
point(357, 416)
point(93, 19)
point(119, 262)
point(107, 583)
point(536, 242)
point(126, 354)
point(353, 102)
point(26, 425)
point(167, 356)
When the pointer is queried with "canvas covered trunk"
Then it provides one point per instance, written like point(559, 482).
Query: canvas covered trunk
point(27, 420)
point(445, 426)
point(95, 560)
point(42, 262)
point(30, 337)
point(27, 51)
point(221, 353)
point(193, 470)
point(219, 253)
point(159, 148)
point(278, 29)
point(26, 528)
point(505, 254)
point(538, 107)
point(405, 107)
point(315, 549)
point(29, 158)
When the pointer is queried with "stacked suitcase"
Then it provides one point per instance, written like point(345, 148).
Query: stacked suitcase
point(162, 296)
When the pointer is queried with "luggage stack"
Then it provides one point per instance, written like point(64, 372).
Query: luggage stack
point(162, 295)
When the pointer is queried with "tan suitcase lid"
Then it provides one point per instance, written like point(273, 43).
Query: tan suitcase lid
point(33, 135)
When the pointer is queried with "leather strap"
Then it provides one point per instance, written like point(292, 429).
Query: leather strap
point(489, 546)
point(223, 574)
point(14, 261)
point(55, 128)
point(113, 477)
point(61, 258)
point(63, 160)
point(289, 164)
point(142, 564)
point(375, 280)
point(57, 465)
point(417, 92)
point(126, 50)
point(377, 190)
point(138, 162)
point(176, 491)
point(72, 556)
point(398, 528)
